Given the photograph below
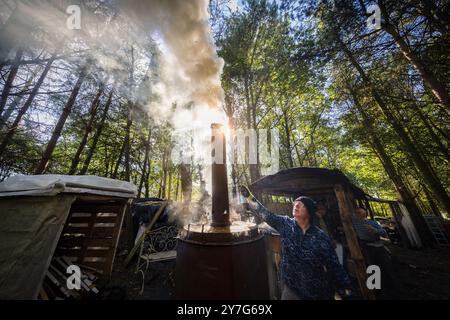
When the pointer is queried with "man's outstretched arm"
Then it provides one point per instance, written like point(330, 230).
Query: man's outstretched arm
point(262, 213)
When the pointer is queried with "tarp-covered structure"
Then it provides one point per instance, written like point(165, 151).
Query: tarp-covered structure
point(34, 210)
point(305, 181)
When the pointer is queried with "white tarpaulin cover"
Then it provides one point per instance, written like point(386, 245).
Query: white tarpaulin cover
point(33, 211)
point(52, 184)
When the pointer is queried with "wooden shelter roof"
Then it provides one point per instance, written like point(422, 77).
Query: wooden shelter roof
point(303, 181)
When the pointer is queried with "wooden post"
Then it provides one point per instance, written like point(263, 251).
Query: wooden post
point(129, 227)
point(148, 228)
point(116, 233)
point(346, 211)
point(369, 209)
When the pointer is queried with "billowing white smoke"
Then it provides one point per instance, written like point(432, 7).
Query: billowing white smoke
point(190, 68)
point(185, 86)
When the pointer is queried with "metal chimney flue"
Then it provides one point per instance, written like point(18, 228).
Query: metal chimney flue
point(220, 202)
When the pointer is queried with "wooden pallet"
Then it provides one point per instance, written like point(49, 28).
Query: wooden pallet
point(91, 233)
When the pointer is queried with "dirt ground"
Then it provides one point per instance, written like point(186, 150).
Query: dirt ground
point(422, 274)
point(157, 283)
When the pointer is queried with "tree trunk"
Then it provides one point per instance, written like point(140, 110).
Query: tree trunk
point(26, 105)
point(288, 138)
point(147, 177)
point(433, 205)
point(9, 81)
point(107, 160)
point(424, 168)
point(127, 142)
point(160, 187)
point(87, 131)
point(127, 146)
point(164, 175)
point(427, 75)
point(186, 183)
point(177, 185)
point(16, 102)
point(251, 124)
point(119, 160)
point(255, 169)
point(388, 165)
point(42, 166)
point(97, 134)
point(146, 156)
point(170, 184)
point(443, 149)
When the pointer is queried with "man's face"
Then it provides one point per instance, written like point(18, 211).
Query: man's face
point(299, 210)
point(361, 214)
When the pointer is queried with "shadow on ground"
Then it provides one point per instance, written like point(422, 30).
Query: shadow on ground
point(422, 274)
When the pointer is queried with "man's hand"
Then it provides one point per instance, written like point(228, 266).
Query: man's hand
point(371, 230)
point(344, 294)
point(252, 203)
point(245, 192)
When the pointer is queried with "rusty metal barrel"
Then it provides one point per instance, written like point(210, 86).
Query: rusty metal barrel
point(222, 264)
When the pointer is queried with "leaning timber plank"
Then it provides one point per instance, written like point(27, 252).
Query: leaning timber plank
point(89, 285)
point(97, 265)
point(63, 265)
point(62, 282)
point(57, 284)
point(129, 235)
point(346, 211)
point(147, 229)
point(84, 268)
point(116, 235)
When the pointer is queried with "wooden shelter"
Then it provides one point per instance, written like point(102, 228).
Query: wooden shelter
point(328, 187)
point(42, 217)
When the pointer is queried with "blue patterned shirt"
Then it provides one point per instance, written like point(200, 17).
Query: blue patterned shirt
point(309, 264)
point(364, 234)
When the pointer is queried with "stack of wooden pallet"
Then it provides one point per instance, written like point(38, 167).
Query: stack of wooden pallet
point(55, 285)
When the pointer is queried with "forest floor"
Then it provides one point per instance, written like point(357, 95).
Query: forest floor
point(422, 274)
point(157, 283)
